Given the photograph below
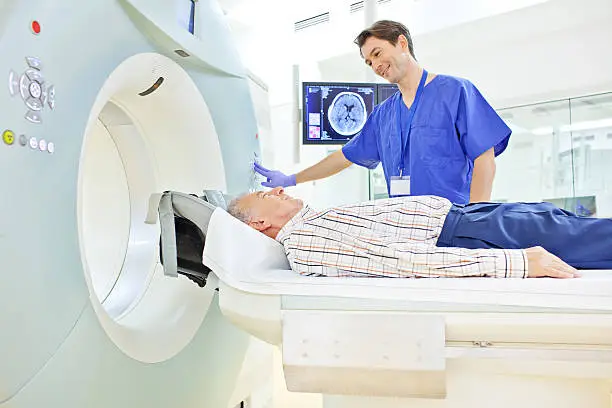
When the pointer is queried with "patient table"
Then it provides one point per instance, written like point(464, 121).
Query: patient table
point(426, 343)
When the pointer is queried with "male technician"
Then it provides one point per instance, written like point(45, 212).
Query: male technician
point(436, 136)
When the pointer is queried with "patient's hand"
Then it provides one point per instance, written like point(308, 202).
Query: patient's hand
point(542, 263)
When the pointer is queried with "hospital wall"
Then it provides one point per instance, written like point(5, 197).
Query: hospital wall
point(553, 50)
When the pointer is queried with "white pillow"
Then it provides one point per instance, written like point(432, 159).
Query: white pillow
point(237, 248)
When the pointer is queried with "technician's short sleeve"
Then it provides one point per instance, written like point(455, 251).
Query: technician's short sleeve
point(480, 127)
point(363, 148)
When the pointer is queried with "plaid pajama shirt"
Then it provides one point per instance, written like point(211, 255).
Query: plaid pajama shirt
point(393, 238)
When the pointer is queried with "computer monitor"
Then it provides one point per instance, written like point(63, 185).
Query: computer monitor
point(384, 91)
point(334, 113)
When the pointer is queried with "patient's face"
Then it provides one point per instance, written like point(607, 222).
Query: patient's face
point(273, 208)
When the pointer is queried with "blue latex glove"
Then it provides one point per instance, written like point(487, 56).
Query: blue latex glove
point(274, 178)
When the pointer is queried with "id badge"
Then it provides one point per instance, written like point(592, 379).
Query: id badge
point(400, 186)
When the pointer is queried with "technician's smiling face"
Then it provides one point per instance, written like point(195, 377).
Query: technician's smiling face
point(385, 59)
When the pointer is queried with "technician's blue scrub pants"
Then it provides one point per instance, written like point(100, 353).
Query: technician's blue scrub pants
point(584, 243)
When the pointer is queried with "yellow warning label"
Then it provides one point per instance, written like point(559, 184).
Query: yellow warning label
point(8, 137)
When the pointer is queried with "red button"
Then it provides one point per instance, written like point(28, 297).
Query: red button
point(35, 27)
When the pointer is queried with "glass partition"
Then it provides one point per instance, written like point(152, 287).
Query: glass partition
point(560, 152)
point(592, 159)
point(378, 184)
point(537, 164)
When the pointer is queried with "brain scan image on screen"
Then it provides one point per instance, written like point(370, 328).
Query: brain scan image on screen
point(335, 112)
point(347, 113)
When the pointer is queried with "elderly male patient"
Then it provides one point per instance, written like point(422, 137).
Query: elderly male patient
point(427, 236)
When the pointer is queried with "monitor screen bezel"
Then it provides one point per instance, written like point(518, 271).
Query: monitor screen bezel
point(305, 140)
point(379, 86)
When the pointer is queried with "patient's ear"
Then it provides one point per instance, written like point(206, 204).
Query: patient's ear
point(260, 225)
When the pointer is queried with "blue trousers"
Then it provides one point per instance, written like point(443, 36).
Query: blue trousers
point(584, 243)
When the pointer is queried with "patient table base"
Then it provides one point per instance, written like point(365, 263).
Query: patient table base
point(478, 389)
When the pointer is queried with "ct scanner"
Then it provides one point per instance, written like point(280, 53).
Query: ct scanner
point(103, 103)
point(109, 101)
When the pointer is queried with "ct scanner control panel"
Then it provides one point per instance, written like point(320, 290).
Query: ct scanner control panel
point(34, 91)
point(9, 138)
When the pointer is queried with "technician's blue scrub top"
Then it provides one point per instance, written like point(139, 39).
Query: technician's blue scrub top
point(452, 126)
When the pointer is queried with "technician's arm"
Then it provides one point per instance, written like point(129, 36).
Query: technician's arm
point(329, 166)
point(482, 177)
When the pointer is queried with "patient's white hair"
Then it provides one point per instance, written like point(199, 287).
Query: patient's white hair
point(238, 211)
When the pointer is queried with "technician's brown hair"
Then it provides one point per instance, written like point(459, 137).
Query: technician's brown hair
point(385, 30)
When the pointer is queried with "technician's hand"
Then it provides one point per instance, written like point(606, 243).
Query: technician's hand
point(274, 178)
point(542, 263)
